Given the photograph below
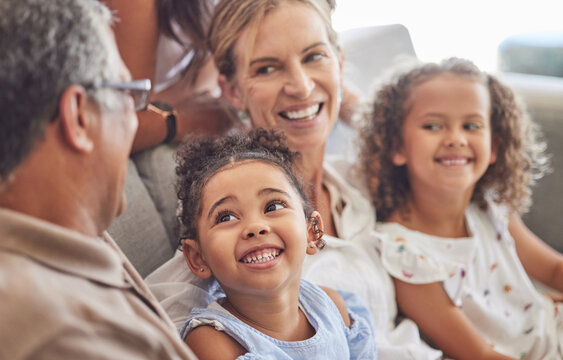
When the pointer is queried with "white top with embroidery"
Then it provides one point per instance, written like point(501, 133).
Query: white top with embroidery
point(483, 275)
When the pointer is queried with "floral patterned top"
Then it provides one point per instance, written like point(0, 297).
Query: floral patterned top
point(483, 275)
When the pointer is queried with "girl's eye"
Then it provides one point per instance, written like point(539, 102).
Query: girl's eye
point(314, 57)
point(224, 217)
point(472, 126)
point(432, 127)
point(273, 206)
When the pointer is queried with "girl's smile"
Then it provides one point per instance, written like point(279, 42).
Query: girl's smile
point(447, 138)
point(262, 259)
point(252, 229)
point(453, 161)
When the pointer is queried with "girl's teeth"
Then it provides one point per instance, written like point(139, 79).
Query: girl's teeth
point(299, 114)
point(261, 258)
point(454, 162)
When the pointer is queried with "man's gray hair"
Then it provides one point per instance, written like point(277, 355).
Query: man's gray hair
point(46, 46)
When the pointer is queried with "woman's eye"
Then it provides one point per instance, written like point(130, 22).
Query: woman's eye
point(224, 217)
point(313, 57)
point(275, 206)
point(263, 70)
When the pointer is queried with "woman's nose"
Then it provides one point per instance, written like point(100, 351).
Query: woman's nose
point(255, 229)
point(298, 83)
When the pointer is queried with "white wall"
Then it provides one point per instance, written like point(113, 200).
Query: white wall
point(471, 29)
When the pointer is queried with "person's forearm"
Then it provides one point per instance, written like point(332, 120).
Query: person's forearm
point(151, 132)
point(193, 116)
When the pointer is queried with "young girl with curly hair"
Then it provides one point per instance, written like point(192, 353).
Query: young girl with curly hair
point(246, 222)
point(450, 155)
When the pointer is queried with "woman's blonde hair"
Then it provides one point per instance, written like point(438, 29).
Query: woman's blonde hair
point(231, 18)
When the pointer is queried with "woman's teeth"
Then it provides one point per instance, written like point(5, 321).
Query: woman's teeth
point(302, 114)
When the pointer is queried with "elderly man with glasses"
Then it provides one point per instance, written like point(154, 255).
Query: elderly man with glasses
point(67, 123)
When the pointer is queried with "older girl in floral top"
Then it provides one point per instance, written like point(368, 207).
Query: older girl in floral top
point(451, 156)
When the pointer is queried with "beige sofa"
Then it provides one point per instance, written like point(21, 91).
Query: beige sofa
point(147, 230)
point(543, 96)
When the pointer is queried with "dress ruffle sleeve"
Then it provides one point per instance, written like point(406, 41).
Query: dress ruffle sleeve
point(417, 258)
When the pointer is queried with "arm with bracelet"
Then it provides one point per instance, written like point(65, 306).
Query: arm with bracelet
point(167, 113)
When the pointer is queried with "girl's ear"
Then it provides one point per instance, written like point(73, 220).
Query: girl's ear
point(315, 233)
point(398, 158)
point(231, 91)
point(194, 259)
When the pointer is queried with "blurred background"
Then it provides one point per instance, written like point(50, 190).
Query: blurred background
point(443, 28)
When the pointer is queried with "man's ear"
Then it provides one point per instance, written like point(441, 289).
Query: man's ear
point(314, 233)
point(195, 261)
point(231, 92)
point(75, 120)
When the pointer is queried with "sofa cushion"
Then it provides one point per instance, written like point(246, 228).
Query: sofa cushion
point(157, 169)
point(139, 231)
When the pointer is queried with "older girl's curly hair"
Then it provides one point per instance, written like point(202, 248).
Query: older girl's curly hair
point(201, 157)
point(520, 156)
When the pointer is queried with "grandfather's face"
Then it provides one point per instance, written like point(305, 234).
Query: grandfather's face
point(291, 78)
point(117, 128)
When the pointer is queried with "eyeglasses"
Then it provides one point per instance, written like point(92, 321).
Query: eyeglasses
point(137, 89)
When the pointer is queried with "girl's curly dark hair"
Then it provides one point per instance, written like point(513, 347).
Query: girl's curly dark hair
point(520, 156)
point(201, 157)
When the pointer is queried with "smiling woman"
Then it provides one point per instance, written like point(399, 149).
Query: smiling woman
point(279, 61)
point(292, 82)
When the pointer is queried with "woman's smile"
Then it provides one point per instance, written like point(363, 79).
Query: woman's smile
point(302, 114)
point(291, 83)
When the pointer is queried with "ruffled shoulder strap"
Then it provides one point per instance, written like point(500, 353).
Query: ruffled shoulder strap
point(418, 258)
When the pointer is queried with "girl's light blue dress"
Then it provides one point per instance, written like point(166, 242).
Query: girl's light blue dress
point(333, 340)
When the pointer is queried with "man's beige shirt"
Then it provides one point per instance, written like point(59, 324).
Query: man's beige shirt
point(64, 295)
